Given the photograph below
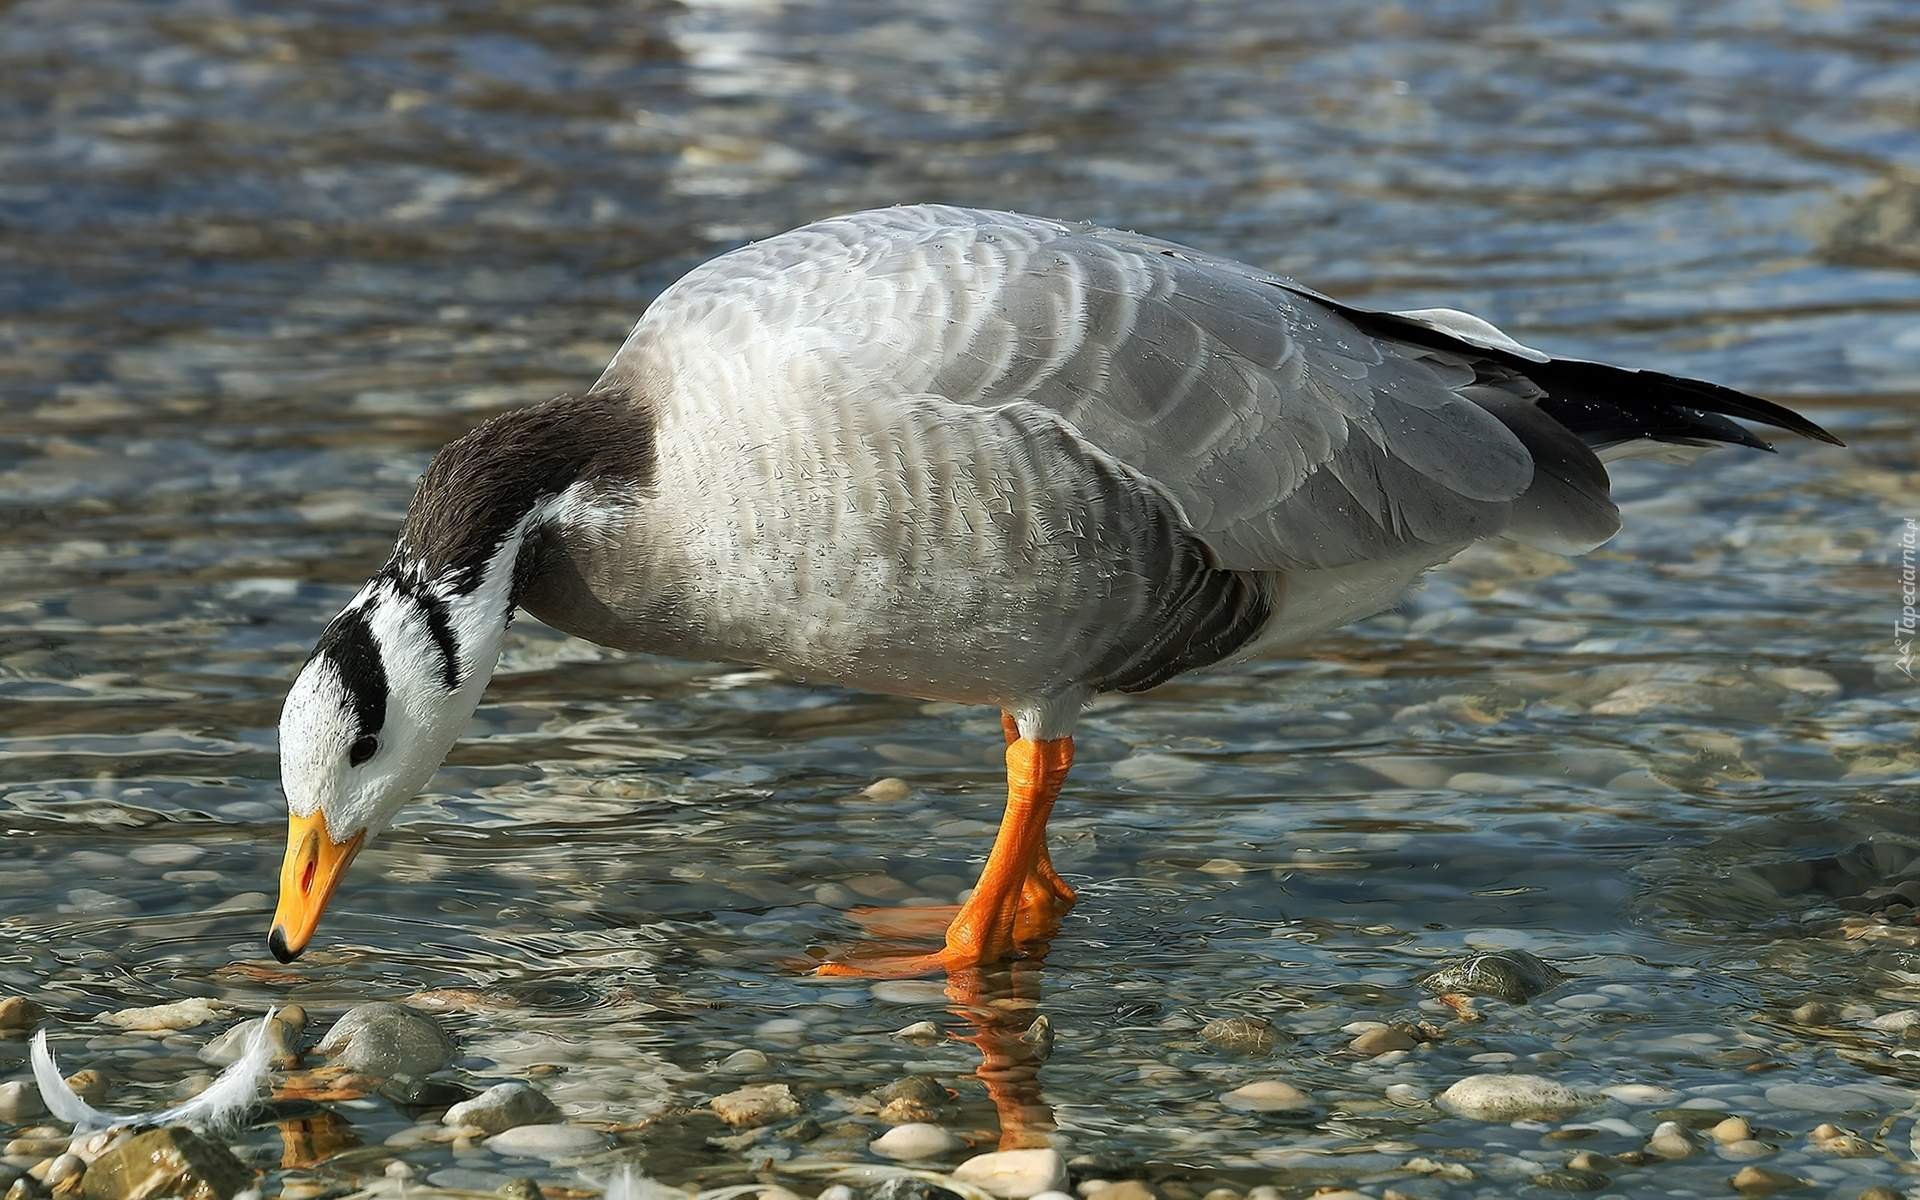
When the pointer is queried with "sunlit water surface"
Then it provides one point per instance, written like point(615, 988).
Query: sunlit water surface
point(260, 260)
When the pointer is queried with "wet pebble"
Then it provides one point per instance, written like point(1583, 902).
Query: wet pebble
point(1828, 1138)
point(889, 790)
point(163, 1018)
point(387, 1039)
point(1671, 1140)
point(18, 1012)
point(1811, 1097)
point(283, 1031)
point(1383, 1040)
point(90, 1085)
point(1512, 1098)
point(749, 1107)
point(1015, 1174)
point(1267, 1095)
point(1760, 1180)
point(1242, 1035)
point(19, 1101)
point(913, 1098)
point(916, 1140)
point(745, 1062)
point(165, 1162)
point(1511, 975)
point(1743, 1151)
point(1731, 1130)
point(1570, 1180)
point(502, 1107)
point(919, 1031)
point(555, 1143)
point(65, 1170)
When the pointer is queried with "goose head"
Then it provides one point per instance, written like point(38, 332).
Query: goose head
point(396, 675)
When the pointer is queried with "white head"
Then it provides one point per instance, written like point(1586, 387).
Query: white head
point(371, 716)
point(397, 674)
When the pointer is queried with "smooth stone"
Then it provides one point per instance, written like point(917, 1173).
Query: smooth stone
point(915, 1140)
point(1015, 1174)
point(1640, 1093)
point(165, 1162)
point(1743, 1151)
point(466, 1179)
point(1406, 1093)
point(1242, 1035)
point(1880, 1193)
point(763, 1104)
point(1814, 1013)
point(838, 1191)
point(1671, 1140)
point(160, 1018)
point(1267, 1095)
point(90, 1085)
point(1512, 1098)
point(19, 1101)
point(18, 1012)
point(1570, 1180)
point(1070, 1196)
point(1812, 1097)
point(1587, 1160)
point(919, 1031)
point(502, 1107)
point(65, 1168)
point(1127, 1189)
point(745, 1062)
point(888, 790)
point(229, 1046)
point(1511, 975)
point(1757, 1180)
point(1384, 1040)
point(387, 1039)
point(1731, 1130)
point(913, 1099)
point(551, 1142)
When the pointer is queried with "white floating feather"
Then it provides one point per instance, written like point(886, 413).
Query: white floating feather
point(227, 1099)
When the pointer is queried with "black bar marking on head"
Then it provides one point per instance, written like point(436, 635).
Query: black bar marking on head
point(452, 670)
point(348, 643)
point(433, 611)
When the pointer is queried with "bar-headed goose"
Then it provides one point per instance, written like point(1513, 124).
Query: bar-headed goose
point(967, 456)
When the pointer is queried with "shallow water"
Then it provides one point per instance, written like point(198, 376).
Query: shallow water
point(259, 263)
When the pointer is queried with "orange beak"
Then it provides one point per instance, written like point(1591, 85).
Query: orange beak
point(308, 875)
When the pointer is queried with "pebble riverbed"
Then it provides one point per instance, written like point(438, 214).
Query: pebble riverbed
point(260, 260)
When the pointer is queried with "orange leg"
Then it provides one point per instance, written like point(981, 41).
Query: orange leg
point(1019, 897)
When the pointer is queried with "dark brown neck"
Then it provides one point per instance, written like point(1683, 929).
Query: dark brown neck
point(482, 488)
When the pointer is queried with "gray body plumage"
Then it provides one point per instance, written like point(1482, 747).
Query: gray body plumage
point(992, 458)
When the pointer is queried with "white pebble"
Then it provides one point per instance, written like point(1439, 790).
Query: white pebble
point(1512, 1098)
point(1015, 1174)
point(915, 1140)
point(1267, 1095)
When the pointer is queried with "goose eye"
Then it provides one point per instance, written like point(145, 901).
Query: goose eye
point(363, 748)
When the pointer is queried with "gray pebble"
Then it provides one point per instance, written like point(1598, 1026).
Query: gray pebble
point(387, 1039)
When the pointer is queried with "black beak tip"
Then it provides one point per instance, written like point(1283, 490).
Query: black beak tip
point(277, 942)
